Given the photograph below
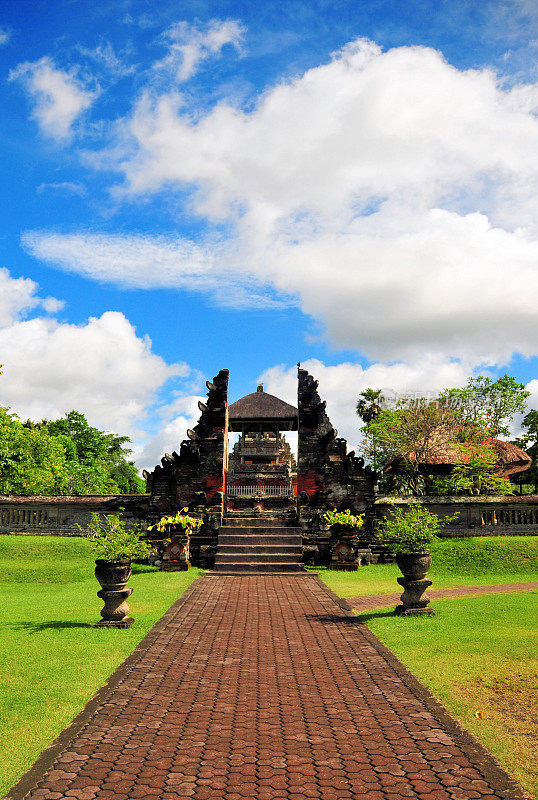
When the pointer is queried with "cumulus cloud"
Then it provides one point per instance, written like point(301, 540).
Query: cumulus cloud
point(59, 97)
point(191, 44)
point(18, 296)
point(398, 284)
point(150, 261)
point(177, 417)
point(101, 368)
point(392, 193)
point(364, 127)
point(341, 384)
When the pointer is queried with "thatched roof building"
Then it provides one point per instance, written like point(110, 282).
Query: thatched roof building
point(264, 409)
point(510, 458)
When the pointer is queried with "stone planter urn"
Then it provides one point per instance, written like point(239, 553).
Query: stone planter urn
point(176, 550)
point(414, 567)
point(113, 577)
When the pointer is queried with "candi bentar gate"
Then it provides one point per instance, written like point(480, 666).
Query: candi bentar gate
point(262, 509)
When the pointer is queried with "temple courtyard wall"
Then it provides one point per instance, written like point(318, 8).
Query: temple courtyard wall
point(477, 516)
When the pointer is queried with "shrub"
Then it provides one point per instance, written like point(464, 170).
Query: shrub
point(111, 538)
point(411, 530)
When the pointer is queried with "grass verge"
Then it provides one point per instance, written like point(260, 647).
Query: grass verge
point(479, 656)
point(52, 660)
point(455, 562)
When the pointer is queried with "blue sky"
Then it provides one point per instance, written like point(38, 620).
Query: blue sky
point(201, 185)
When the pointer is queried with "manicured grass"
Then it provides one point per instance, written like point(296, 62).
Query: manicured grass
point(479, 656)
point(52, 660)
point(455, 562)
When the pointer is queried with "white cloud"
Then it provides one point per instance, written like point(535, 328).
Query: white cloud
point(150, 261)
point(101, 368)
point(63, 187)
point(394, 194)
point(18, 296)
point(59, 97)
point(5, 35)
point(189, 45)
point(178, 417)
point(366, 126)
point(106, 57)
point(398, 285)
point(340, 385)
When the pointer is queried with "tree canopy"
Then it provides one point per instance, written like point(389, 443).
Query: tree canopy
point(489, 404)
point(66, 456)
point(459, 424)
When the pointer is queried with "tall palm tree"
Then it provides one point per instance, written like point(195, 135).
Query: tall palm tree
point(369, 404)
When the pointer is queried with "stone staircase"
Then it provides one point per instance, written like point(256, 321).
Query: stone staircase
point(269, 542)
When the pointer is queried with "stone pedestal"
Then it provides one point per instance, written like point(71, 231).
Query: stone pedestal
point(414, 601)
point(344, 554)
point(115, 611)
point(176, 554)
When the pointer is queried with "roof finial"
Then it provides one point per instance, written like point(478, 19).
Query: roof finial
point(260, 388)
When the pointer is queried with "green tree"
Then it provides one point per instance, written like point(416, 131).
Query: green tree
point(458, 426)
point(31, 461)
point(477, 473)
point(370, 404)
point(64, 457)
point(103, 465)
point(488, 404)
point(528, 441)
point(410, 436)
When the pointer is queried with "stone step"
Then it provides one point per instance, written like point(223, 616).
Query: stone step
point(257, 522)
point(257, 549)
point(250, 544)
point(254, 530)
point(249, 539)
point(249, 567)
point(256, 558)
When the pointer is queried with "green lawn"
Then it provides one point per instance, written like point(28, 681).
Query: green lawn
point(479, 656)
point(52, 660)
point(455, 562)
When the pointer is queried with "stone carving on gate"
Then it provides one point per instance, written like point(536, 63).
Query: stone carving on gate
point(329, 477)
point(195, 477)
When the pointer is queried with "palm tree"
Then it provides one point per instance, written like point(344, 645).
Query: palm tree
point(369, 404)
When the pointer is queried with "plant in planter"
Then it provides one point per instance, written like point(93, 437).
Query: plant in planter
point(408, 533)
point(344, 545)
point(177, 529)
point(118, 544)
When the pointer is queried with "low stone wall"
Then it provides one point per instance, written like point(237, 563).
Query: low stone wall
point(477, 516)
point(59, 516)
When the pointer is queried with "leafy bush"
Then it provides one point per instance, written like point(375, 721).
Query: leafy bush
point(346, 518)
point(411, 530)
point(113, 540)
point(181, 518)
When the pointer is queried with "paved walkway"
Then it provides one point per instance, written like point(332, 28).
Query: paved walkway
point(264, 688)
point(372, 601)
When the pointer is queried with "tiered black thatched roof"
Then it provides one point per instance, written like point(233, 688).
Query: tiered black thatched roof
point(262, 407)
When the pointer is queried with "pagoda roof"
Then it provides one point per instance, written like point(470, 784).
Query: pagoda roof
point(262, 407)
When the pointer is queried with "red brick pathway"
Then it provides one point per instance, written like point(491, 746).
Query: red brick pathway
point(265, 688)
point(372, 601)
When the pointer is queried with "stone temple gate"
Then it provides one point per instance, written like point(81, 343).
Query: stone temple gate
point(260, 484)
